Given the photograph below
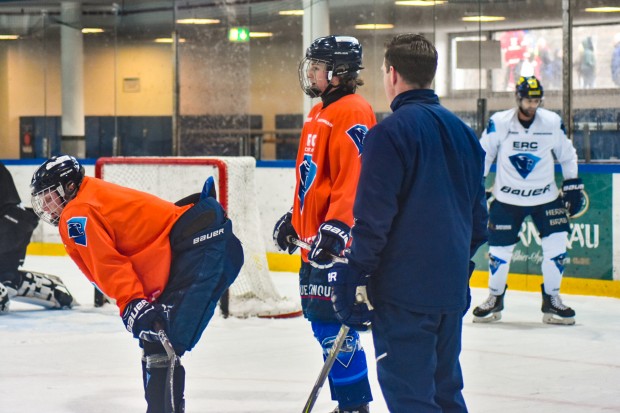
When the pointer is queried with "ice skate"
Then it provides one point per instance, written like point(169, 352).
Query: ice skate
point(554, 311)
point(360, 409)
point(491, 309)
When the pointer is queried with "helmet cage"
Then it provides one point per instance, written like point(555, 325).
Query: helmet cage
point(309, 87)
point(49, 203)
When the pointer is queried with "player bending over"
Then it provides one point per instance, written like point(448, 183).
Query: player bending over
point(165, 264)
point(17, 224)
point(524, 141)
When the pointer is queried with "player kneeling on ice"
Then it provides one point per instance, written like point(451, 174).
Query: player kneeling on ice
point(526, 140)
point(17, 224)
point(165, 264)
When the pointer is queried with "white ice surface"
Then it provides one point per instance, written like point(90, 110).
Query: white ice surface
point(83, 360)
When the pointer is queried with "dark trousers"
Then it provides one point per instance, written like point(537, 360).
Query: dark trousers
point(418, 360)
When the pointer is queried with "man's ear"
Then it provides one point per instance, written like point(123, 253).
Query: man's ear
point(393, 75)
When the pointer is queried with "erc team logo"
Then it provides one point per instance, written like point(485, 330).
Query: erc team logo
point(524, 163)
point(76, 227)
point(307, 175)
point(357, 134)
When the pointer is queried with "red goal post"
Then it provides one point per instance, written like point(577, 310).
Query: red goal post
point(173, 178)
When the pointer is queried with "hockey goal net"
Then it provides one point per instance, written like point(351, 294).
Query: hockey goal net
point(173, 178)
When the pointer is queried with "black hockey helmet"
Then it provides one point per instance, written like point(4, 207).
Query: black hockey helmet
point(529, 87)
point(342, 56)
point(343, 53)
point(61, 174)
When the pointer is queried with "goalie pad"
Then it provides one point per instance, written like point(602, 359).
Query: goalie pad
point(41, 289)
point(4, 300)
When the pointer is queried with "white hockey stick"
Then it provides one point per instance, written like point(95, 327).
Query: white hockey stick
point(304, 245)
point(169, 396)
point(327, 366)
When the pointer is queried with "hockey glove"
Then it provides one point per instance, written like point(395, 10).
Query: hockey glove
point(572, 195)
point(349, 297)
point(282, 231)
point(330, 241)
point(144, 319)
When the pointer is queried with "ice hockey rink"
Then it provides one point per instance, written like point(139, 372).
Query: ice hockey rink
point(82, 360)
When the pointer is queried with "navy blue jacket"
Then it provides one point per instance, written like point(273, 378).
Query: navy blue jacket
point(420, 210)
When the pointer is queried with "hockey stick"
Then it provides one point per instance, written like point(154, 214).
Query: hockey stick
point(169, 396)
point(327, 366)
point(304, 245)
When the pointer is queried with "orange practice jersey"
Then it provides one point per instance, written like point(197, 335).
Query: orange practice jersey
point(118, 237)
point(328, 164)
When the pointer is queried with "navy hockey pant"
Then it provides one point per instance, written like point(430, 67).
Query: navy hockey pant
point(206, 259)
point(418, 360)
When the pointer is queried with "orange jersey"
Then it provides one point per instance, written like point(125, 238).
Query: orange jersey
point(328, 164)
point(118, 237)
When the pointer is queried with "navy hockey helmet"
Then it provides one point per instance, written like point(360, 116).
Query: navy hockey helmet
point(54, 184)
point(529, 87)
point(342, 55)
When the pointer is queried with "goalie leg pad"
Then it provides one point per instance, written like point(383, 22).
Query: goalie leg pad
point(41, 289)
point(4, 300)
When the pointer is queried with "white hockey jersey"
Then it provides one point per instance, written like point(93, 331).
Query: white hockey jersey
point(525, 164)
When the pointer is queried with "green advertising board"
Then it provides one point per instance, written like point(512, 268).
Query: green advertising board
point(590, 242)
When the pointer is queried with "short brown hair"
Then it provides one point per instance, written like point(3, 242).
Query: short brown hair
point(413, 57)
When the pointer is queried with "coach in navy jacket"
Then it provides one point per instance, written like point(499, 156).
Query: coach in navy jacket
point(420, 215)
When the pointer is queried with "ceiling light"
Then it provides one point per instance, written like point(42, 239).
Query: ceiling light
point(255, 35)
point(603, 9)
point(198, 21)
point(484, 19)
point(378, 26)
point(91, 30)
point(167, 40)
point(420, 3)
point(291, 12)
point(9, 37)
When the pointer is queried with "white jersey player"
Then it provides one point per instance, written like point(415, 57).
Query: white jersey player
point(524, 141)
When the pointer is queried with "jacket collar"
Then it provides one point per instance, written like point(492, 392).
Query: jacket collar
point(414, 96)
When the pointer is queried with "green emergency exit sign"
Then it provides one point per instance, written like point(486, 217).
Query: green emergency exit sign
point(239, 34)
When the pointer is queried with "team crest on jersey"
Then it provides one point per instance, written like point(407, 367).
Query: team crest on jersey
point(76, 227)
point(357, 134)
point(307, 175)
point(524, 163)
point(491, 126)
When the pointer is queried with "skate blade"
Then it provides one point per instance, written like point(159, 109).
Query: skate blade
point(556, 320)
point(491, 318)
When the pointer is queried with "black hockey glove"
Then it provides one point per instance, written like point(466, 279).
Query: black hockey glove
point(144, 319)
point(282, 231)
point(572, 195)
point(331, 239)
point(349, 297)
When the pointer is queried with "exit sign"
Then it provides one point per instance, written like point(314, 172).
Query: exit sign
point(239, 34)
